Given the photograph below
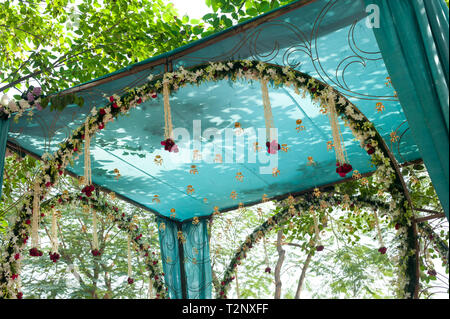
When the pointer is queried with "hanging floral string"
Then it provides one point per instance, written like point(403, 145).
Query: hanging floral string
point(89, 188)
point(34, 251)
point(382, 248)
point(150, 289)
point(319, 246)
point(266, 257)
point(54, 255)
point(272, 145)
point(168, 143)
point(87, 155)
point(130, 269)
point(342, 163)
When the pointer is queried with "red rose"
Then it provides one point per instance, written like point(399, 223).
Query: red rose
point(95, 252)
point(102, 112)
point(382, 250)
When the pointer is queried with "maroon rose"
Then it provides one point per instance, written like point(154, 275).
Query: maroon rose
point(370, 149)
point(432, 272)
point(95, 252)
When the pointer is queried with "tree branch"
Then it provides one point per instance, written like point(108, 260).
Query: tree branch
point(303, 275)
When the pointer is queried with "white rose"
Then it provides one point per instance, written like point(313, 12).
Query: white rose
point(4, 100)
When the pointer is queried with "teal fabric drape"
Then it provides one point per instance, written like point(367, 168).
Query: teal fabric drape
point(170, 257)
point(197, 262)
point(4, 126)
point(413, 38)
point(186, 263)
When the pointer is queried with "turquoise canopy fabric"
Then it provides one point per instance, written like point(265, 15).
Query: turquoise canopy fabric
point(186, 261)
point(4, 125)
point(414, 40)
point(326, 39)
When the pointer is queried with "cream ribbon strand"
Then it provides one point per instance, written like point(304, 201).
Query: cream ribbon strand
point(168, 128)
point(130, 270)
point(341, 155)
point(150, 289)
point(88, 181)
point(35, 216)
point(377, 223)
point(268, 117)
point(316, 228)
point(87, 156)
point(54, 232)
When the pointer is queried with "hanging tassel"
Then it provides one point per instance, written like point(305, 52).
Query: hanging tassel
point(342, 163)
point(150, 289)
point(266, 258)
point(319, 246)
point(89, 188)
point(34, 251)
point(130, 279)
point(87, 156)
point(54, 256)
point(382, 248)
point(168, 143)
point(272, 145)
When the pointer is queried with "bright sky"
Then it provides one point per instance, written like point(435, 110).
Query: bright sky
point(195, 9)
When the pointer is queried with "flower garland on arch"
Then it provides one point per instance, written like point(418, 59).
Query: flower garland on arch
point(9, 271)
point(320, 93)
point(29, 99)
point(302, 206)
